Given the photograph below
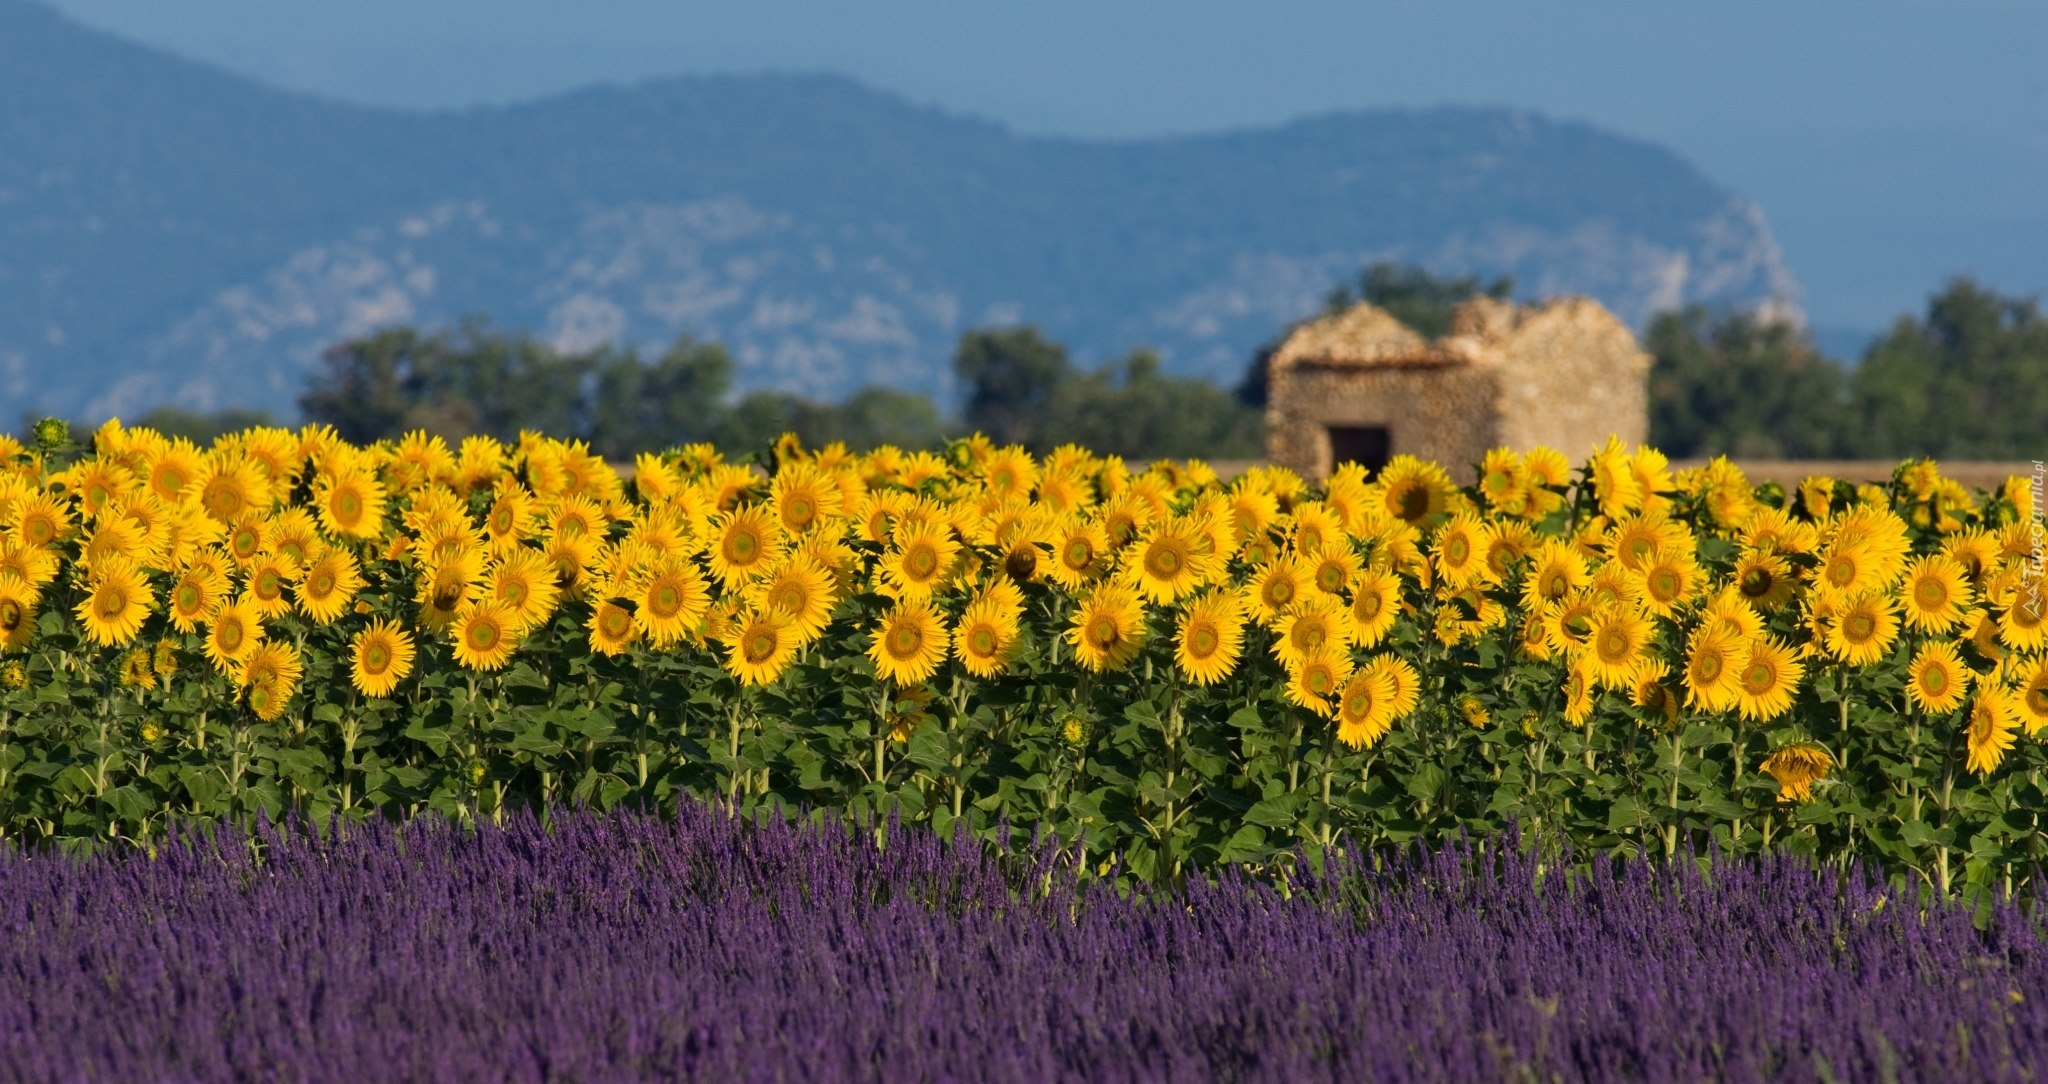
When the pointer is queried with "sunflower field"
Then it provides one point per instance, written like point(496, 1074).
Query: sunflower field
point(1166, 672)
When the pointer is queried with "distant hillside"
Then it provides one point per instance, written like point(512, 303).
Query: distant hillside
point(173, 234)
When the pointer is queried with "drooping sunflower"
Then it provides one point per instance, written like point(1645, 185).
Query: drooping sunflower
point(910, 643)
point(1936, 593)
point(745, 543)
point(1797, 766)
point(612, 628)
point(1863, 628)
point(1209, 637)
point(1983, 636)
point(1615, 487)
point(486, 633)
point(1108, 628)
point(1713, 670)
point(1937, 681)
point(135, 669)
point(351, 504)
point(380, 657)
point(1767, 679)
point(119, 599)
point(330, 583)
point(986, 638)
point(1993, 718)
point(1580, 693)
point(1167, 562)
point(921, 560)
point(1616, 641)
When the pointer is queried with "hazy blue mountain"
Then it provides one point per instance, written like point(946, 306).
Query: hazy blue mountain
point(173, 234)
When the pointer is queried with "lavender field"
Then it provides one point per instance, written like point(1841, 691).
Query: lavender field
point(699, 947)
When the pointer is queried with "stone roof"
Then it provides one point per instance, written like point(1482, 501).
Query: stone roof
point(1484, 331)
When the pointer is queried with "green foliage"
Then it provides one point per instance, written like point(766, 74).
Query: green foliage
point(1967, 381)
point(1729, 383)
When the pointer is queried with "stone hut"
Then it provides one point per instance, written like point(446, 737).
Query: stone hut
point(1360, 386)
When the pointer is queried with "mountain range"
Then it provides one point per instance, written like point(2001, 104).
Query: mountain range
point(172, 234)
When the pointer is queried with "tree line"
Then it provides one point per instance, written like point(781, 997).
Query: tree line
point(1968, 379)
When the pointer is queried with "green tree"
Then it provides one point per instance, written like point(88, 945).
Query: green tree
point(1969, 381)
point(1012, 376)
point(1728, 383)
point(1133, 410)
point(679, 398)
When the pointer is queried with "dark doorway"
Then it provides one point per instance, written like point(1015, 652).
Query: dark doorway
point(1367, 445)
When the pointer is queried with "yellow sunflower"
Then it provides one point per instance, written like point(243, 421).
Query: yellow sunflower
point(1650, 689)
point(234, 631)
point(17, 611)
point(2033, 697)
point(612, 628)
point(328, 586)
point(1862, 628)
point(1580, 693)
point(197, 592)
point(1671, 580)
point(804, 498)
point(1315, 681)
point(486, 633)
point(1375, 605)
point(1568, 623)
point(1556, 571)
point(524, 581)
point(1765, 579)
point(1713, 670)
point(119, 599)
point(1311, 625)
point(1108, 628)
point(271, 675)
point(986, 638)
point(1274, 588)
point(1796, 767)
point(234, 488)
point(803, 589)
point(910, 643)
point(1413, 489)
point(1365, 710)
point(1460, 550)
point(1615, 487)
point(1994, 715)
point(2024, 625)
point(1503, 482)
point(1937, 680)
point(380, 657)
point(40, 520)
point(447, 585)
point(745, 543)
point(1767, 680)
point(1616, 640)
point(1936, 594)
point(351, 504)
point(1209, 637)
point(1167, 562)
point(921, 560)
point(1079, 553)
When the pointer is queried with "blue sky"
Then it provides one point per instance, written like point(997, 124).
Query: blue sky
point(1892, 143)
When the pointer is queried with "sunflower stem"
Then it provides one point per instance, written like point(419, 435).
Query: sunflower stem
point(1671, 829)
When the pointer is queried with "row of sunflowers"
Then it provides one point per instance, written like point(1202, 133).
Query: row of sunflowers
point(1166, 669)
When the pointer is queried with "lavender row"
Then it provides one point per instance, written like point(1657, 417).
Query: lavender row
point(700, 947)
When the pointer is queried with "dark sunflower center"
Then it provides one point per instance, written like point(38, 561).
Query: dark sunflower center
point(483, 635)
point(1203, 642)
point(1330, 578)
point(1165, 561)
point(1758, 677)
point(760, 647)
point(1104, 633)
point(1934, 681)
point(1077, 554)
point(904, 641)
point(376, 658)
point(665, 601)
point(1368, 607)
point(615, 623)
point(922, 562)
point(1411, 502)
point(741, 546)
point(348, 506)
point(1842, 570)
point(1021, 563)
point(982, 641)
point(1859, 628)
point(111, 602)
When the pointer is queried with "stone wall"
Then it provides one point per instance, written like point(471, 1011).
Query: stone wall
point(1441, 412)
point(1571, 374)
